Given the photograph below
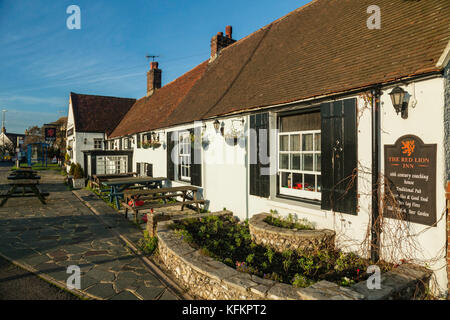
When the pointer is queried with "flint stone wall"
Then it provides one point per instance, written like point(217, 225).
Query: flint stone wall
point(209, 279)
point(282, 239)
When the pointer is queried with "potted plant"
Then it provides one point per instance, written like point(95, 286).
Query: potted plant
point(155, 144)
point(232, 136)
point(78, 177)
point(67, 159)
point(146, 144)
point(205, 141)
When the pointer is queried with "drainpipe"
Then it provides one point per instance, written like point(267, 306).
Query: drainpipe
point(375, 226)
point(247, 166)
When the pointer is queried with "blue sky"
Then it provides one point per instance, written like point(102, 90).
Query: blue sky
point(41, 60)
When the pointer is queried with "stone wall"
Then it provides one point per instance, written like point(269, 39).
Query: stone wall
point(207, 278)
point(282, 239)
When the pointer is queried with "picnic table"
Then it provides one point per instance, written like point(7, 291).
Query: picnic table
point(23, 174)
point(118, 185)
point(97, 179)
point(185, 192)
point(24, 184)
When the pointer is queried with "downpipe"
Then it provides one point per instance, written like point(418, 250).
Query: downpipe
point(375, 223)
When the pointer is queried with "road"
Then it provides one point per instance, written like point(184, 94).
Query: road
point(19, 284)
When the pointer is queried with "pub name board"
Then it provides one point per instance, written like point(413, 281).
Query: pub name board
point(410, 173)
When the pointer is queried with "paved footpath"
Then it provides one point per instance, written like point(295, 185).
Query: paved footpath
point(46, 239)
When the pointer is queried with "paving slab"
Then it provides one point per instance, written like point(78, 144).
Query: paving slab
point(48, 238)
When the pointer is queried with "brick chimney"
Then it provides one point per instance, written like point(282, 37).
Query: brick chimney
point(219, 41)
point(153, 78)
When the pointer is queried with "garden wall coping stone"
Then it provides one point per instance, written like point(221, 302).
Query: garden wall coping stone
point(207, 278)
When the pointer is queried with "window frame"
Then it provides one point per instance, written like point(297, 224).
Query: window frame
point(184, 144)
point(112, 162)
point(100, 141)
point(316, 150)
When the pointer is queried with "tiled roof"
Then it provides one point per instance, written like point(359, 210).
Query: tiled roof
point(94, 113)
point(322, 48)
point(150, 112)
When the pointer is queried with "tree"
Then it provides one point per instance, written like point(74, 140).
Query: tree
point(32, 135)
point(7, 148)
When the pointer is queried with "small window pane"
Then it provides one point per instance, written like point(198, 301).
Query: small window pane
point(317, 142)
point(284, 161)
point(318, 162)
point(307, 144)
point(285, 180)
point(310, 182)
point(319, 183)
point(295, 161)
point(297, 181)
point(295, 142)
point(308, 162)
point(284, 143)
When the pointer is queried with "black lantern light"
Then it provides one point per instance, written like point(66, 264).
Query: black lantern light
point(216, 125)
point(397, 97)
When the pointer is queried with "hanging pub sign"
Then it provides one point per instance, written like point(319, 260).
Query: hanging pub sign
point(50, 134)
point(410, 173)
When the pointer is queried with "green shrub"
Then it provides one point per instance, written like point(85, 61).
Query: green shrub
point(225, 240)
point(290, 222)
point(78, 172)
point(72, 168)
point(148, 244)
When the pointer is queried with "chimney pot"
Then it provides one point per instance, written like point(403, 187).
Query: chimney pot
point(153, 65)
point(229, 31)
point(219, 41)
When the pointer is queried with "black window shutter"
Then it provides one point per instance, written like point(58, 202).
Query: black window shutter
point(259, 180)
point(170, 164)
point(120, 144)
point(339, 156)
point(196, 163)
point(138, 168)
point(149, 169)
point(138, 140)
point(326, 156)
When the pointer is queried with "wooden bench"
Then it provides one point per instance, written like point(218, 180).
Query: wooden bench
point(24, 184)
point(160, 194)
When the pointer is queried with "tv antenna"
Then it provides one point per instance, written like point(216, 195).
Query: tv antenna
point(3, 117)
point(148, 56)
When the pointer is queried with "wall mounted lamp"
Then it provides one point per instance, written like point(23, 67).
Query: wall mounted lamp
point(397, 96)
point(216, 125)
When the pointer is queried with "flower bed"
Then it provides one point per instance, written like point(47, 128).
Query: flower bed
point(290, 222)
point(282, 234)
point(207, 278)
point(227, 241)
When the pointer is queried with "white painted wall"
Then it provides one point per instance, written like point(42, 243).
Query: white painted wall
point(426, 122)
point(225, 174)
point(78, 139)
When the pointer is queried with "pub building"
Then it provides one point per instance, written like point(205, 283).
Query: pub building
point(316, 115)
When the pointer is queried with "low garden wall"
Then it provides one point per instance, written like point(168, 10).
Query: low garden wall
point(282, 239)
point(209, 279)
